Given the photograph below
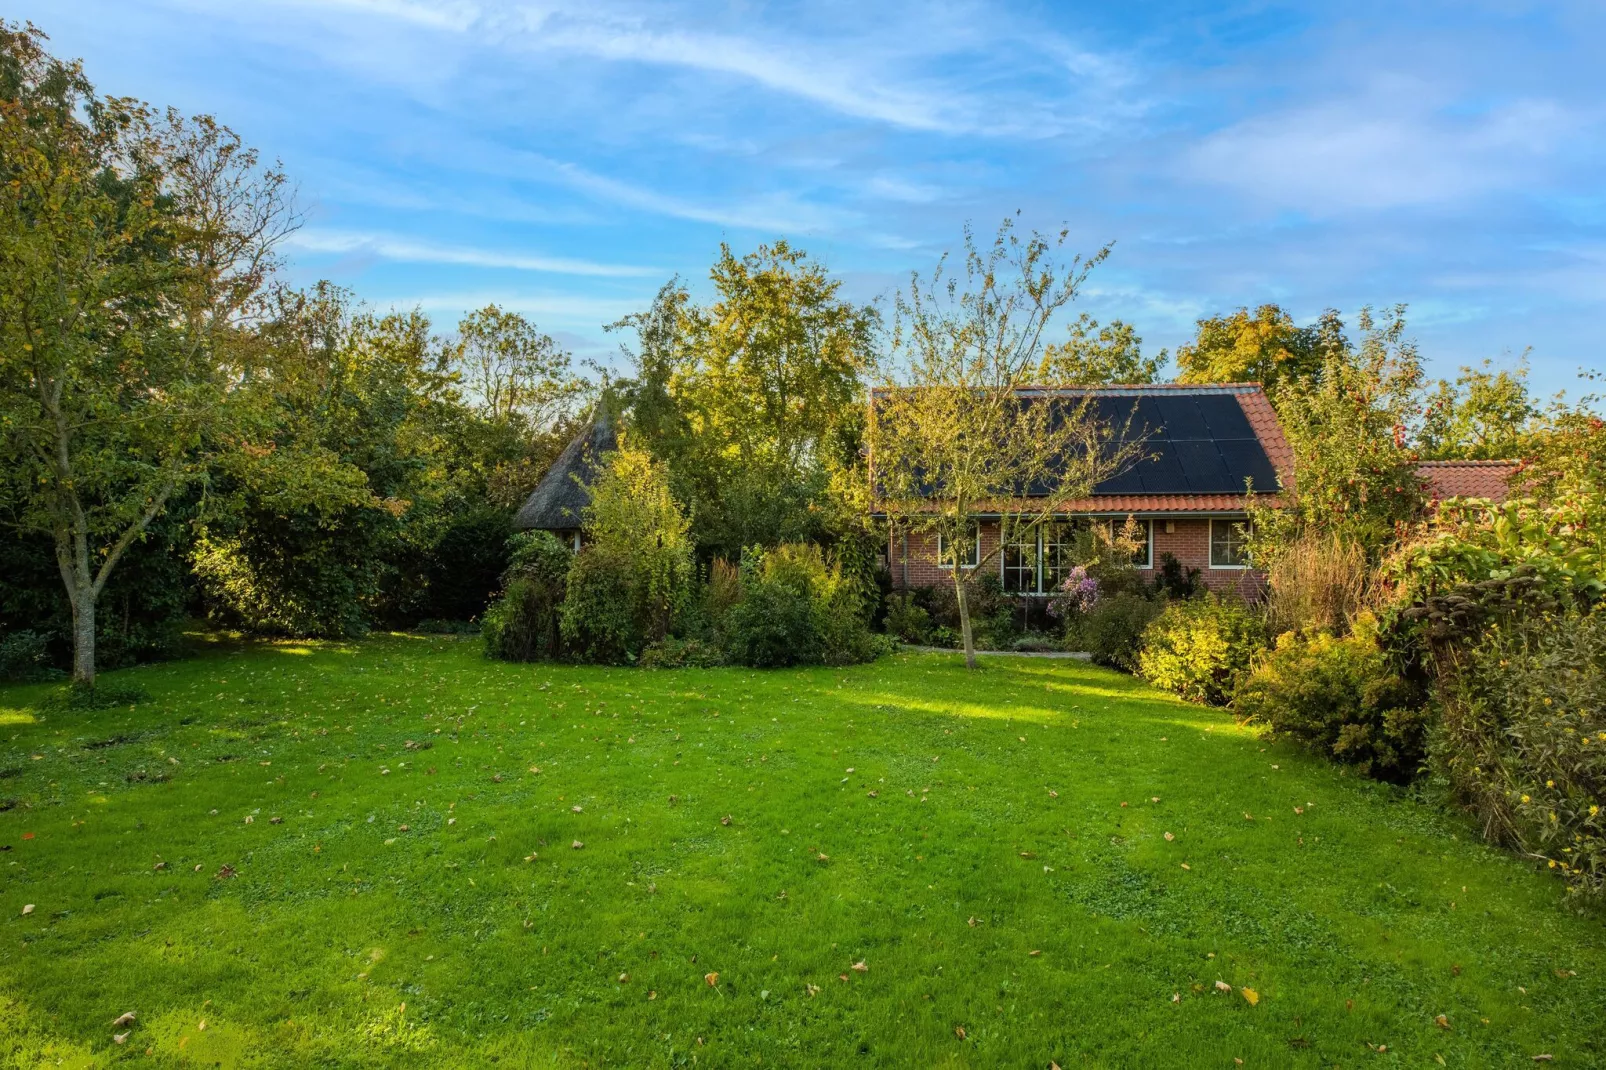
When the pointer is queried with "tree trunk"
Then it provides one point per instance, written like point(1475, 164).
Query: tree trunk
point(964, 618)
point(83, 638)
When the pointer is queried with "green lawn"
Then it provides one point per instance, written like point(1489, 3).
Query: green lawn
point(403, 822)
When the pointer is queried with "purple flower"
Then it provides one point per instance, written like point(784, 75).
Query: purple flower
point(1077, 593)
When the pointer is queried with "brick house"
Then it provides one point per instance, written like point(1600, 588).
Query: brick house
point(1204, 444)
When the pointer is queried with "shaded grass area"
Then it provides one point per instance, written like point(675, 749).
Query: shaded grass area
point(990, 845)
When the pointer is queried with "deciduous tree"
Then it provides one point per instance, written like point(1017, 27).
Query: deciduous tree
point(955, 435)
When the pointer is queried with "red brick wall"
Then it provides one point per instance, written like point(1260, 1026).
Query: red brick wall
point(1188, 542)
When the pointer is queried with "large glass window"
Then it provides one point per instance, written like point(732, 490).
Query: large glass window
point(1020, 564)
point(1143, 554)
point(970, 554)
point(1229, 544)
point(1059, 545)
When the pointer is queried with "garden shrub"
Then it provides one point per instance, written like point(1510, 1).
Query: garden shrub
point(797, 608)
point(601, 620)
point(1112, 631)
point(772, 626)
point(25, 656)
point(1341, 698)
point(1173, 580)
point(631, 582)
point(1201, 648)
point(1523, 740)
point(672, 653)
point(523, 624)
point(907, 619)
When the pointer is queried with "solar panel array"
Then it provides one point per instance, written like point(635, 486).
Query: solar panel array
point(1192, 444)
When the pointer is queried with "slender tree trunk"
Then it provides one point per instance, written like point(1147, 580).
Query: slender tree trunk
point(964, 617)
point(83, 638)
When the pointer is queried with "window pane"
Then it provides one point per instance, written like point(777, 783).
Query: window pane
point(1020, 566)
point(1058, 546)
point(1228, 544)
point(1142, 530)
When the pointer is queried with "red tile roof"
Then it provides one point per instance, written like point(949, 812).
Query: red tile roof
point(1468, 479)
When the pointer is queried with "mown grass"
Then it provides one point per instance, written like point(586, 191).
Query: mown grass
point(994, 852)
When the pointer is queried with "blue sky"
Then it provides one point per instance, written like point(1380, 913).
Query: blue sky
point(564, 159)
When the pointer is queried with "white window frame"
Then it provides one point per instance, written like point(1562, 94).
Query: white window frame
point(1210, 551)
point(975, 547)
point(1036, 550)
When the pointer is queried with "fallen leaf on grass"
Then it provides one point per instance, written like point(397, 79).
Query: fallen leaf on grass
point(872, 794)
point(126, 1018)
point(577, 845)
point(972, 922)
point(653, 994)
point(1169, 837)
point(1222, 986)
point(27, 835)
point(27, 909)
point(225, 872)
point(812, 990)
point(403, 828)
point(959, 1031)
point(202, 1026)
point(1543, 1058)
point(1441, 1021)
point(711, 978)
point(1034, 954)
point(1028, 854)
point(249, 819)
point(822, 858)
point(1052, 794)
point(119, 1038)
point(860, 967)
point(1251, 995)
point(1187, 867)
point(726, 820)
point(624, 978)
point(1176, 997)
point(536, 769)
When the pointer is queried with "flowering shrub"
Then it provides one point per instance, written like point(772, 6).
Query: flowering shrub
point(1077, 593)
point(1201, 648)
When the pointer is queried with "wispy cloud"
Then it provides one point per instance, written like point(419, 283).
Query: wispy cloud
point(1390, 147)
point(407, 250)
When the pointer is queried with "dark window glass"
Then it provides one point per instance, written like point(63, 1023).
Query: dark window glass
point(1229, 544)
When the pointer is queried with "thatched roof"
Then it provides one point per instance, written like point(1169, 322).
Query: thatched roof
point(564, 491)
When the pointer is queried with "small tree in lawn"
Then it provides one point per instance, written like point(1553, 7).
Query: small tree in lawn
point(957, 433)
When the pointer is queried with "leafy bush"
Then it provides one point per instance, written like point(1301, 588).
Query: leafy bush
point(907, 619)
point(1112, 631)
point(523, 624)
point(1201, 648)
point(797, 608)
point(632, 579)
point(772, 626)
point(1174, 580)
point(25, 656)
point(1340, 698)
point(1523, 740)
point(672, 653)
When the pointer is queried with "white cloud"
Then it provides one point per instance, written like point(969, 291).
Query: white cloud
point(408, 250)
point(1391, 147)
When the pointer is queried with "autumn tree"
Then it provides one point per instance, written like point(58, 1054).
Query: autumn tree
point(1263, 346)
point(134, 249)
point(1483, 414)
point(1093, 355)
point(956, 434)
point(1349, 427)
point(753, 399)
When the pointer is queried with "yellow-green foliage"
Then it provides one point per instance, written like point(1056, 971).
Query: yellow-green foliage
point(1339, 697)
point(1201, 648)
point(1524, 740)
point(633, 575)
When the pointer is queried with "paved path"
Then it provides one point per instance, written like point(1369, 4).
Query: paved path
point(1079, 655)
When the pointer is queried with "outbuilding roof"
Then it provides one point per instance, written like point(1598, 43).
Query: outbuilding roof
point(564, 492)
point(1468, 479)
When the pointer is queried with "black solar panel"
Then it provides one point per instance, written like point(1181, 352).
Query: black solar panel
point(1193, 444)
point(1224, 417)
